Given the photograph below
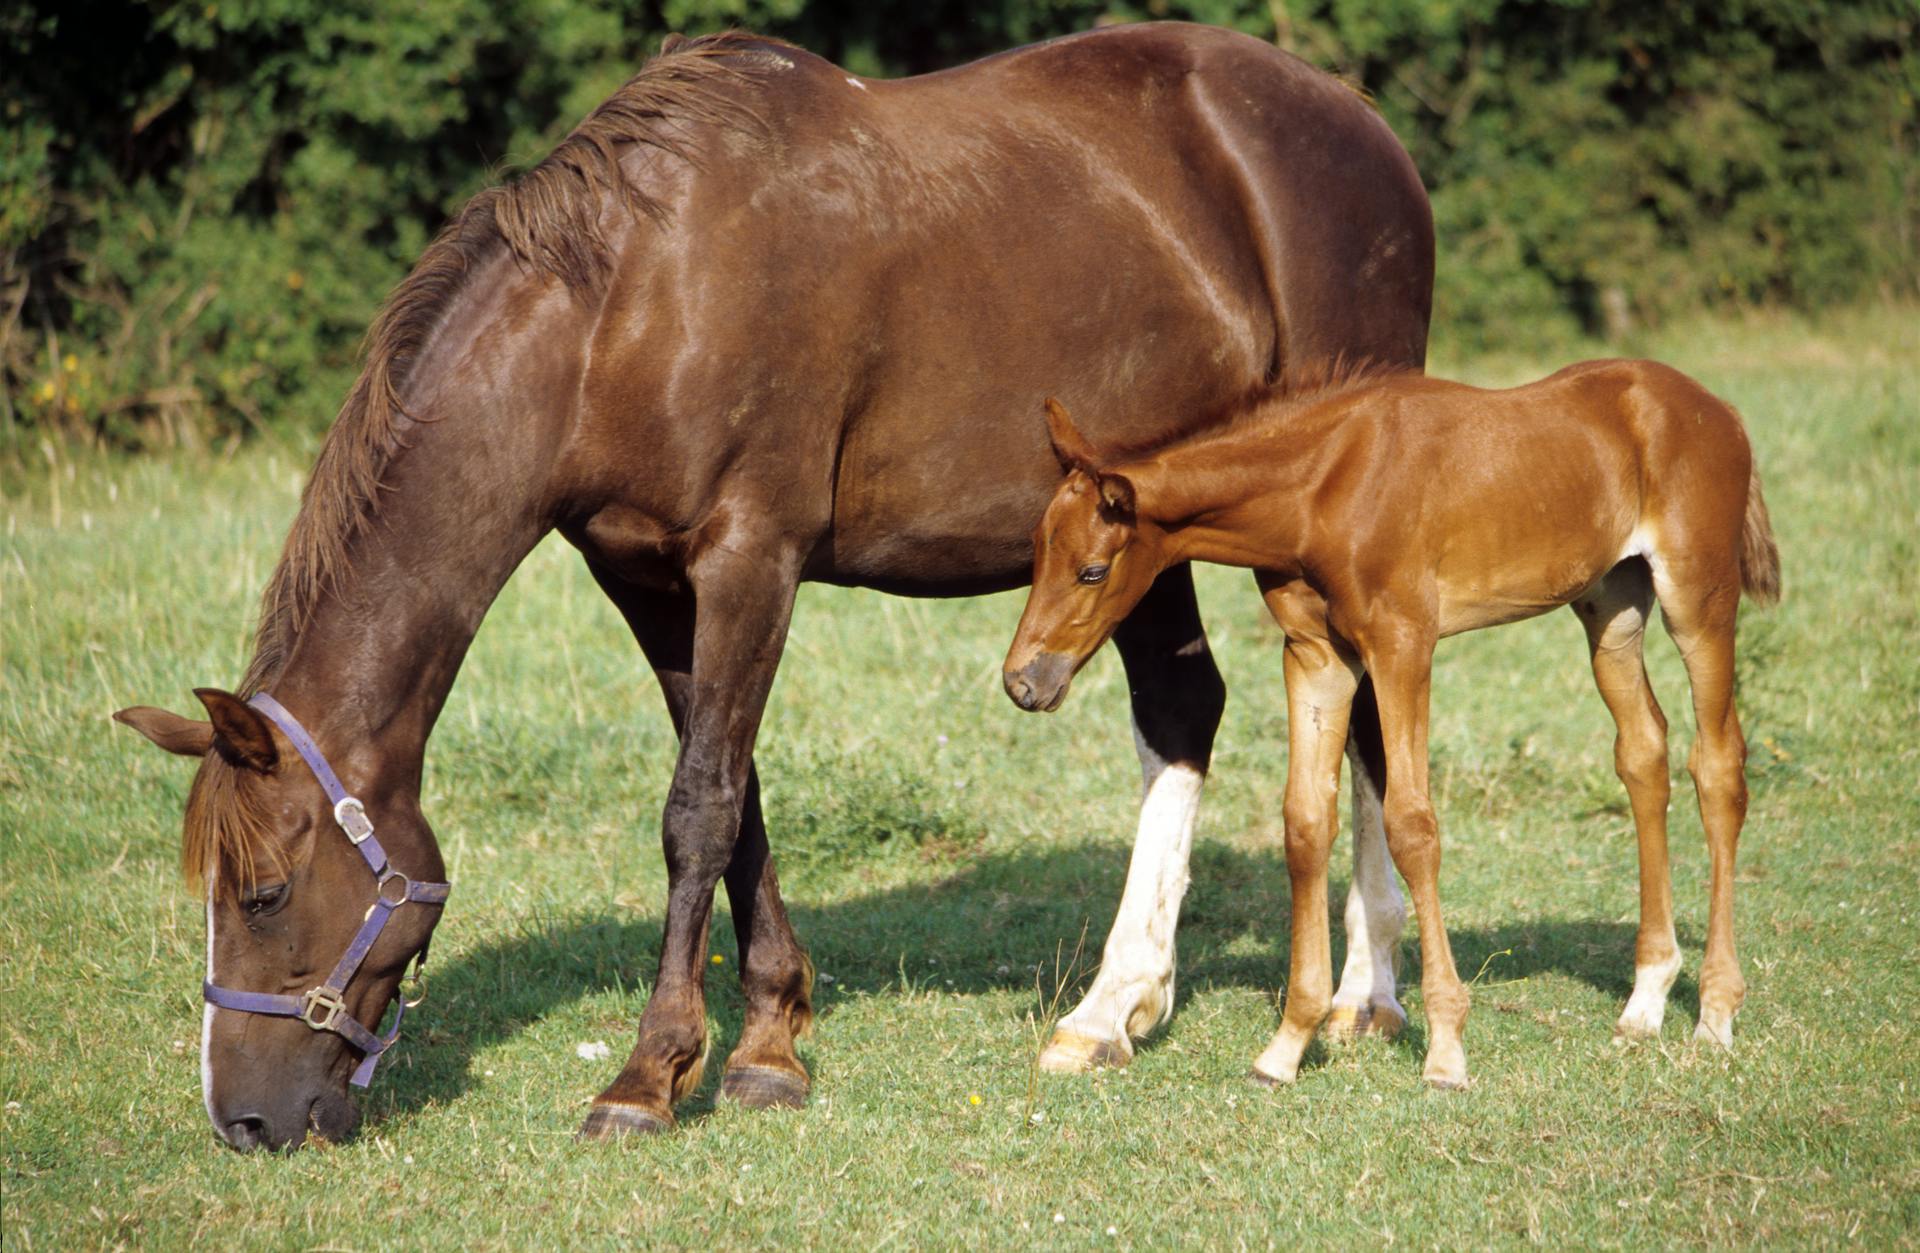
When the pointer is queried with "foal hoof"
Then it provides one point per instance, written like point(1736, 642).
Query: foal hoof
point(612, 1122)
point(1070, 1053)
point(764, 1087)
point(1714, 1034)
point(1261, 1079)
point(1348, 1023)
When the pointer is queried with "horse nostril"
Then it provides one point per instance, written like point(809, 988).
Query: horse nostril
point(247, 1133)
point(1020, 690)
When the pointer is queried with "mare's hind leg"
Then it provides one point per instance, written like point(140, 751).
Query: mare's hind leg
point(1700, 601)
point(1365, 1003)
point(745, 589)
point(1177, 701)
point(1614, 614)
point(776, 976)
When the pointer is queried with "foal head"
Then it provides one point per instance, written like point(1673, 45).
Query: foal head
point(285, 895)
point(1093, 561)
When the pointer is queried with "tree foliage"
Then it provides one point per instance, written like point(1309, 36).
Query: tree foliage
point(202, 203)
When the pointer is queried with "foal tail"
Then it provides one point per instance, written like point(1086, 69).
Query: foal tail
point(1759, 555)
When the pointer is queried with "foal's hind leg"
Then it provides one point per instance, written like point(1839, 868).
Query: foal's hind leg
point(1615, 616)
point(1700, 601)
point(1177, 701)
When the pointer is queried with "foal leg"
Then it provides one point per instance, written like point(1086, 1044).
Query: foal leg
point(744, 597)
point(1320, 687)
point(1177, 701)
point(1402, 672)
point(1376, 913)
point(1700, 602)
point(1615, 617)
point(776, 976)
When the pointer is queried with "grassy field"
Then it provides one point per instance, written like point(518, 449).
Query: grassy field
point(943, 853)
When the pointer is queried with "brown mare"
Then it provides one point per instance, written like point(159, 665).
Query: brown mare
point(759, 321)
point(1387, 513)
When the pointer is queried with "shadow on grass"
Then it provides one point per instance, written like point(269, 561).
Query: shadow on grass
point(997, 924)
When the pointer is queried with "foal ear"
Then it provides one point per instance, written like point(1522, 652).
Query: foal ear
point(1069, 445)
point(241, 733)
point(1116, 497)
point(170, 731)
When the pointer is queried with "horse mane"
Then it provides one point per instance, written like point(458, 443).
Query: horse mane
point(549, 219)
point(224, 827)
point(1321, 380)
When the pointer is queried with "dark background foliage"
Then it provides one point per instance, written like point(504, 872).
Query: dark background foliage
point(201, 204)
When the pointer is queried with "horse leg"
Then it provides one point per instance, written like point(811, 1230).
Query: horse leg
point(1320, 688)
point(1376, 913)
point(1700, 606)
point(743, 595)
point(1177, 701)
point(1402, 674)
point(1615, 617)
point(776, 976)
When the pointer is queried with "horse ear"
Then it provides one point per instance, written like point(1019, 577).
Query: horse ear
point(240, 733)
point(1116, 496)
point(1069, 445)
point(170, 731)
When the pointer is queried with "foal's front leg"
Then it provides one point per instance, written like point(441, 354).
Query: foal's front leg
point(1402, 667)
point(1320, 687)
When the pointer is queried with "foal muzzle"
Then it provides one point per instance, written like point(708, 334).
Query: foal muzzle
point(1040, 685)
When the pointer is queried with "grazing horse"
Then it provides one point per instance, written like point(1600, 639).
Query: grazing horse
point(1387, 513)
point(757, 321)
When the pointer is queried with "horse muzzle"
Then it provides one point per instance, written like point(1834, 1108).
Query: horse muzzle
point(1040, 685)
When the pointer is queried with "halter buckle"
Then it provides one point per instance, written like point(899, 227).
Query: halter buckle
point(326, 1000)
point(352, 817)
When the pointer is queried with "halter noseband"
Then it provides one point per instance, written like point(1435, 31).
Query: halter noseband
point(324, 1007)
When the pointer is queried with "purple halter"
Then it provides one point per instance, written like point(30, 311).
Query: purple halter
point(324, 1007)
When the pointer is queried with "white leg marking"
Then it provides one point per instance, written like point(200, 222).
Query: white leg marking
point(1647, 1007)
point(1133, 993)
point(206, 1024)
point(1376, 913)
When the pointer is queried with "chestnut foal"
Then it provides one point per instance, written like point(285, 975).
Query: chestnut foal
point(1385, 512)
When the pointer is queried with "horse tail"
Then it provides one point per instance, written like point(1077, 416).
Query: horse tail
point(1759, 555)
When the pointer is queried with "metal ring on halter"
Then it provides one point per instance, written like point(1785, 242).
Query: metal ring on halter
point(418, 980)
point(322, 998)
point(406, 887)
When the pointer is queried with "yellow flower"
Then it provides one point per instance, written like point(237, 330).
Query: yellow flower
point(47, 389)
point(719, 960)
point(72, 363)
point(295, 280)
point(973, 1098)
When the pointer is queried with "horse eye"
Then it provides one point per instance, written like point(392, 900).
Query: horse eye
point(1093, 574)
point(266, 899)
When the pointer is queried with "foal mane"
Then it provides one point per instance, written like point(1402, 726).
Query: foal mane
point(1298, 390)
point(549, 219)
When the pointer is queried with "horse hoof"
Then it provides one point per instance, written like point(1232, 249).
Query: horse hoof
point(1260, 1078)
point(1443, 1082)
point(1348, 1023)
point(1070, 1053)
point(764, 1087)
point(612, 1122)
point(1718, 1035)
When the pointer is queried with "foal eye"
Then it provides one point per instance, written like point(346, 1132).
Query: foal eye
point(265, 900)
point(1093, 574)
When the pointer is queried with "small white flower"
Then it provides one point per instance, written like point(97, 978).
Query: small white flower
point(1059, 1218)
point(1039, 1116)
point(595, 1051)
point(1113, 1231)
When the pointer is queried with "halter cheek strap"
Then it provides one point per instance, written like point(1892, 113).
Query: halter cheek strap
point(323, 1007)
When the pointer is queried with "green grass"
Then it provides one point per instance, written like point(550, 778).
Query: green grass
point(940, 850)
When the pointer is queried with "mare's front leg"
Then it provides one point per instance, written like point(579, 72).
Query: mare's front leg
point(744, 591)
point(1177, 701)
point(776, 976)
point(1400, 659)
point(1320, 688)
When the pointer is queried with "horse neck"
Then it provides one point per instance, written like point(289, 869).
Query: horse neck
point(1238, 499)
point(468, 495)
